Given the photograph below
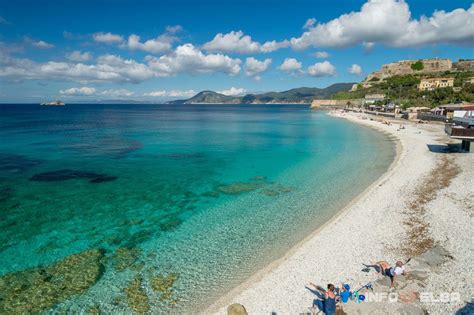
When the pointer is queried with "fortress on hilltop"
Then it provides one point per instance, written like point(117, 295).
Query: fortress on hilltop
point(422, 66)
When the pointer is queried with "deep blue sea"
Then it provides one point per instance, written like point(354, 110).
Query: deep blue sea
point(184, 201)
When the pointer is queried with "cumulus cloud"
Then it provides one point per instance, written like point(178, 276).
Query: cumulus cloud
point(79, 56)
point(273, 45)
point(321, 69)
point(355, 69)
point(188, 59)
point(233, 91)
point(390, 22)
point(254, 66)
point(290, 65)
point(119, 93)
point(157, 45)
point(171, 93)
point(238, 42)
point(42, 44)
point(309, 23)
point(107, 38)
point(79, 91)
point(321, 54)
point(90, 91)
point(109, 68)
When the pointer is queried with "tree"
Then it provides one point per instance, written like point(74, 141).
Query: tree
point(417, 66)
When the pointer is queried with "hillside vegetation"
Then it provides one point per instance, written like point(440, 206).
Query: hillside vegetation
point(403, 89)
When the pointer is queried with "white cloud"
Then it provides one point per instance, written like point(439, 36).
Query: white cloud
point(309, 23)
point(158, 45)
point(355, 69)
point(390, 22)
point(233, 91)
point(78, 91)
point(42, 44)
point(188, 59)
point(368, 46)
point(290, 65)
point(79, 56)
point(173, 29)
point(274, 45)
point(321, 54)
point(117, 93)
point(321, 69)
point(108, 68)
point(171, 93)
point(90, 91)
point(238, 42)
point(107, 38)
point(254, 66)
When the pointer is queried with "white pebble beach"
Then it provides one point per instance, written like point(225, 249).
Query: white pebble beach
point(371, 228)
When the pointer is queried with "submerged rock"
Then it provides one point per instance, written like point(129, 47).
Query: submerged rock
point(238, 187)
point(275, 190)
point(163, 284)
point(213, 194)
point(125, 257)
point(171, 224)
point(103, 179)
point(136, 296)
point(67, 174)
point(16, 162)
point(38, 289)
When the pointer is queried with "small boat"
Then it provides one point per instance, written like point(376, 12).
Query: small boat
point(53, 103)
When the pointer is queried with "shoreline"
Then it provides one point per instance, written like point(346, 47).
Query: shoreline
point(307, 261)
point(219, 305)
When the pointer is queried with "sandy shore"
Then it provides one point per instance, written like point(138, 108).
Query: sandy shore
point(374, 226)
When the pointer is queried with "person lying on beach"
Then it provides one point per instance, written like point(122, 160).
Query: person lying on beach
point(328, 305)
point(392, 272)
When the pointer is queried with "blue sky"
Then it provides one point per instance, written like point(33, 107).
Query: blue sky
point(160, 50)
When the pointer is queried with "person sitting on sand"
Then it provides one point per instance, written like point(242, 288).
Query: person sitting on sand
point(345, 293)
point(391, 272)
point(328, 305)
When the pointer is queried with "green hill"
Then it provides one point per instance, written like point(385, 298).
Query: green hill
point(293, 96)
point(403, 89)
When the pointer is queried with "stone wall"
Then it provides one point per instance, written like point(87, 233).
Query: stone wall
point(464, 65)
point(404, 68)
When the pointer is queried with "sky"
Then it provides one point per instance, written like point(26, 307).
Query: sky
point(81, 51)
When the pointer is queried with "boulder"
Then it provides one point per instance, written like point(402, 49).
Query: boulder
point(236, 309)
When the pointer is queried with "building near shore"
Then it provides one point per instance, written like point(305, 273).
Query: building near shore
point(431, 84)
point(462, 127)
point(328, 104)
point(372, 98)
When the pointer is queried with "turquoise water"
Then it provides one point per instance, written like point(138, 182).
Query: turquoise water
point(210, 194)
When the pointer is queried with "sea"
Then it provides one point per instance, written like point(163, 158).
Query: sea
point(181, 203)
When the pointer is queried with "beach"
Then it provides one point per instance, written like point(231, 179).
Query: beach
point(424, 199)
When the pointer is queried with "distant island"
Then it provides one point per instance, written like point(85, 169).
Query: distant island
point(303, 95)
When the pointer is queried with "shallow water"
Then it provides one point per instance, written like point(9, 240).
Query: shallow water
point(207, 194)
